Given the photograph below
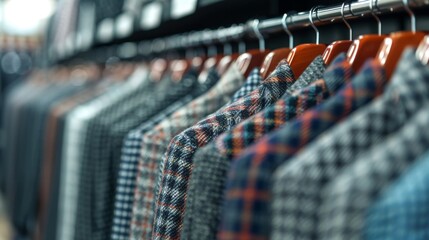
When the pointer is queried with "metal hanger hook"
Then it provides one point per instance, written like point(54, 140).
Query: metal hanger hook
point(221, 35)
point(412, 16)
point(371, 7)
point(227, 48)
point(211, 51)
point(345, 21)
point(242, 46)
point(235, 32)
point(255, 26)
point(286, 28)
point(187, 42)
point(208, 40)
point(310, 17)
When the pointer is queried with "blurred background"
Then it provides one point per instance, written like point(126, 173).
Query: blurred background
point(22, 27)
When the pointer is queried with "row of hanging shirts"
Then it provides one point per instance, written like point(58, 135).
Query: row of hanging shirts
point(386, 49)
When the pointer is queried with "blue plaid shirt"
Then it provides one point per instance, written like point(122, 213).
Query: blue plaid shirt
point(246, 211)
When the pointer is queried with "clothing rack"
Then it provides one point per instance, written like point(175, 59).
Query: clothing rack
point(321, 15)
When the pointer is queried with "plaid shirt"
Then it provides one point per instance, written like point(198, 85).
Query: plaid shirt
point(49, 179)
point(345, 201)
point(106, 131)
point(23, 192)
point(155, 143)
point(178, 158)
point(129, 160)
point(253, 81)
point(246, 209)
point(326, 157)
point(75, 130)
point(401, 210)
point(205, 187)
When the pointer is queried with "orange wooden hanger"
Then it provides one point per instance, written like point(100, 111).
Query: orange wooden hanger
point(302, 55)
point(197, 62)
point(212, 61)
point(178, 68)
point(246, 62)
point(334, 49)
point(158, 67)
point(362, 49)
point(225, 62)
point(272, 60)
point(337, 47)
point(392, 48)
point(366, 46)
point(275, 57)
point(422, 52)
point(196, 59)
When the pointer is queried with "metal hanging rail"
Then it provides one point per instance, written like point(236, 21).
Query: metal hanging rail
point(321, 15)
